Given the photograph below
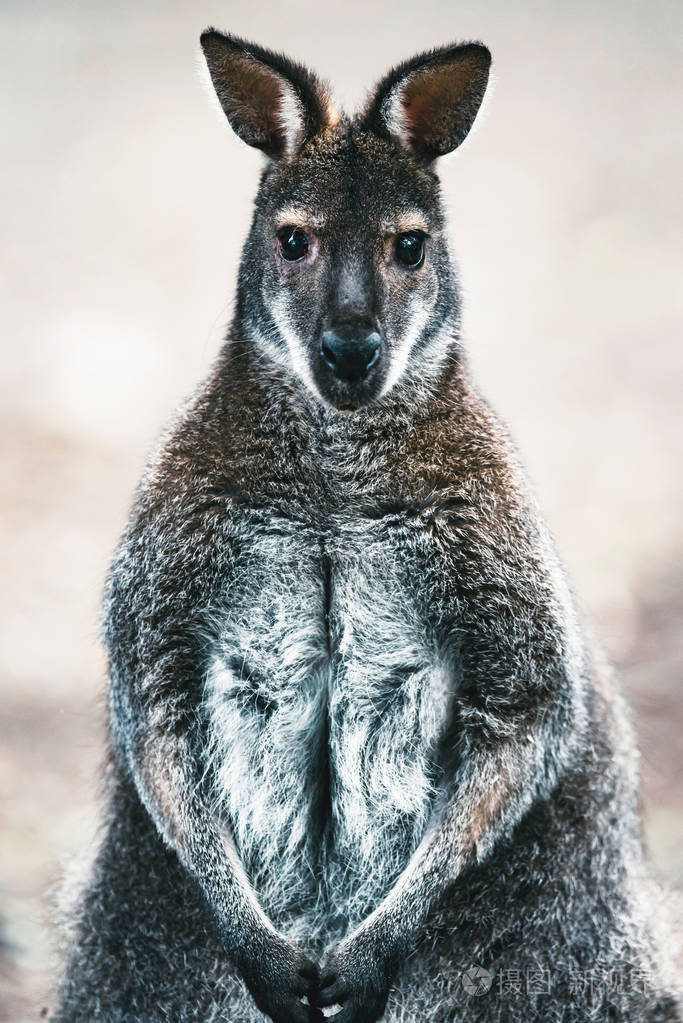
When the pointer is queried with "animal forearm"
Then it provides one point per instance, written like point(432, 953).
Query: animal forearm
point(168, 780)
point(487, 799)
point(482, 801)
point(166, 777)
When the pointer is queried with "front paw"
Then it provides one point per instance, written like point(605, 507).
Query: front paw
point(279, 977)
point(357, 976)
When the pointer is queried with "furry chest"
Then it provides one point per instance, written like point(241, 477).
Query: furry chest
point(325, 701)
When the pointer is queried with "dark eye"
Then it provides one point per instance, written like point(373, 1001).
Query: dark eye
point(293, 243)
point(409, 249)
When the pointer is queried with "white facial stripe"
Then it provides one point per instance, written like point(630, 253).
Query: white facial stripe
point(297, 349)
point(419, 319)
point(267, 344)
point(399, 359)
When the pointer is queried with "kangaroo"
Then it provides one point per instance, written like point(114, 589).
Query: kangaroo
point(363, 760)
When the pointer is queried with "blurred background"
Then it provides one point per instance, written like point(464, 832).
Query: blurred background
point(124, 201)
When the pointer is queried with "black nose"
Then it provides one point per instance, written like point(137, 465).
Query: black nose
point(350, 353)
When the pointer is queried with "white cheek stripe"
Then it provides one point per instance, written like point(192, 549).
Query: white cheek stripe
point(399, 360)
point(297, 350)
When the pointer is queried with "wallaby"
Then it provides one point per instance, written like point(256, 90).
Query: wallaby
point(362, 754)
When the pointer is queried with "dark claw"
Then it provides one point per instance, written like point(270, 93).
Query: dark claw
point(307, 978)
point(300, 1013)
point(296, 1012)
point(334, 992)
point(309, 971)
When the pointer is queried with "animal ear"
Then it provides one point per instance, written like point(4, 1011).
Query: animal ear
point(429, 103)
point(271, 102)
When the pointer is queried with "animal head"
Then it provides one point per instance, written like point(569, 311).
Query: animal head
point(346, 277)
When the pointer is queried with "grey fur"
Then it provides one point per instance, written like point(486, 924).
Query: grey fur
point(355, 719)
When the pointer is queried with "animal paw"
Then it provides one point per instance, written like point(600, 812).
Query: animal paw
point(356, 978)
point(280, 978)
